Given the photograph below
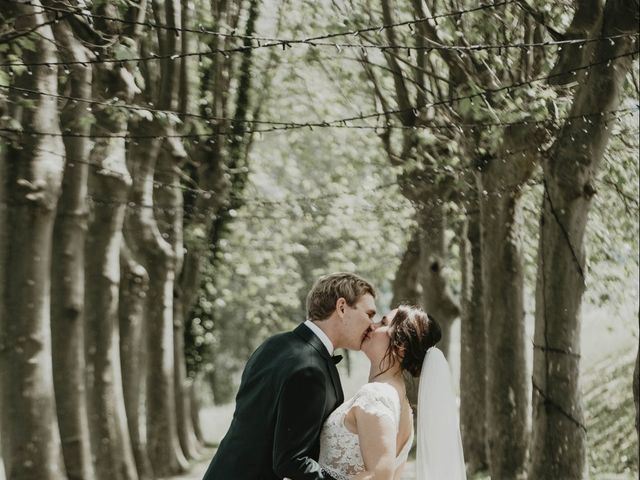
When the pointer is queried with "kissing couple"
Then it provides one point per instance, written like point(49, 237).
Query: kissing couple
point(291, 420)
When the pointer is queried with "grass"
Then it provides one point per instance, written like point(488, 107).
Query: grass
point(610, 417)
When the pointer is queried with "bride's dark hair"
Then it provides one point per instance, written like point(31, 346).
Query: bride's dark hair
point(414, 332)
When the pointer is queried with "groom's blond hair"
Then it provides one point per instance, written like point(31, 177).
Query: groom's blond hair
point(321, 300)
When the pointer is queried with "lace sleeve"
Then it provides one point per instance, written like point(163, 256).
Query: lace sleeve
point(379, 399)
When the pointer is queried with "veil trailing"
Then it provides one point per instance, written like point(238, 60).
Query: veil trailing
point(439, 451)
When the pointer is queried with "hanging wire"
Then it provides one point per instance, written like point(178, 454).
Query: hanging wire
point(339, 46)
point(274, 41)
point(334, 123)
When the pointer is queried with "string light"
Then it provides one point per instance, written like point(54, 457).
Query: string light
point(335, 123)
point(276, 41)
point(282, 126)
point(317, 41)
point(364, 47)
point(311, 200)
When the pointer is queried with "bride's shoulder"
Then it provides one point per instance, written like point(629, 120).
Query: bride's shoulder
point(378, 395)
point(377, 389)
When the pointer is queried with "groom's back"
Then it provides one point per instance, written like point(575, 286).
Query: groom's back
point(246, 452)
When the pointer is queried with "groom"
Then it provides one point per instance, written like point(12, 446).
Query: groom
point(290, 385)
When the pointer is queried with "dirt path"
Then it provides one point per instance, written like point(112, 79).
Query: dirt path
point(196, 472)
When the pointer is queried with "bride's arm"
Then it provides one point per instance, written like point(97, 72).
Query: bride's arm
point(377, 435)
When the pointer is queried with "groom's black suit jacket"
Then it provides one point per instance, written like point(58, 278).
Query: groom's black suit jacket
point(289, 387)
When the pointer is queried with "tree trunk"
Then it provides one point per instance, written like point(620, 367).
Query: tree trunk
point(159, 260)
point(406, 288)
point(500, 184)
point(108, 187)
point(473, 345)
point(186, 434)
point(154, 248)
point(171, 227)
point(30, 436)
point(559, 434)
point(110, 436)
point(133, 290)
point(195, 411)
point(437, 301)
point(67, 274)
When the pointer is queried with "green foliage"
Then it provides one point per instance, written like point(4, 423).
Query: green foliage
point(315, 202)
point(612, 230)
point(337, 205)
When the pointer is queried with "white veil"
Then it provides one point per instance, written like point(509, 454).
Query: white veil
point(439, 451)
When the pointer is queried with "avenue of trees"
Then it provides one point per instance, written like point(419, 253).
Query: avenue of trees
point(175, 174)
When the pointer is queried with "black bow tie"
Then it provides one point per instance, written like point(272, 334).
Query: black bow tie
point(336, 359)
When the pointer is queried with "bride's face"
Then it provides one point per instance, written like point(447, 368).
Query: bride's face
point(376, 344)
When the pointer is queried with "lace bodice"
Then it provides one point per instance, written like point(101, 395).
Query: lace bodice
point(340, 449)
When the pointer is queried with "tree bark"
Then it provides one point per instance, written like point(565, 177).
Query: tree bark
point(108, 188)
point(31, 441)
point(559, 435)
point(155, 248)
point(171, 228)
point(67, 274)
point(186, 434)
point(195, 412)
point(133, 291)
point(408, 291)
point(437, 300)
point(406, 288)
point(586, 20)
point(110, 436)
point(158, 258)
point(500, 186)
point(473, 344)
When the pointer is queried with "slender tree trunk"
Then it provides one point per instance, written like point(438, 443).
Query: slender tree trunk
point(406, 288)
point(159, 260)
point(436, 297)
point(67, 275)
point(171, 226)
point(108, 187)
point(473, 345)
point(195, 411)
point(501, 185)
point(559, 435)
point(155, 250)
point(133, 290)
point(186, 433)
point(110, 436)
point(31, 441)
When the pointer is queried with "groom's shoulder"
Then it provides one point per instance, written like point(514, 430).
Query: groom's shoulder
point(289, 346)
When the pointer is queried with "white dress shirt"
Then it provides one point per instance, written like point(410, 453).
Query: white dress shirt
point(321, 335)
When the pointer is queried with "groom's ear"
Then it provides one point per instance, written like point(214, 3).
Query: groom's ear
point(341, 304)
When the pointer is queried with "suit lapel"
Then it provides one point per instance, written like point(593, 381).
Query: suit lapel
point(335, 379)
point(308, 336)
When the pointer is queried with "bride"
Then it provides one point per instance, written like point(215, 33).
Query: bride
point(369, 436)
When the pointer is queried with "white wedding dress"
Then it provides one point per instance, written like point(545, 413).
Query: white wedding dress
point(340, 452)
